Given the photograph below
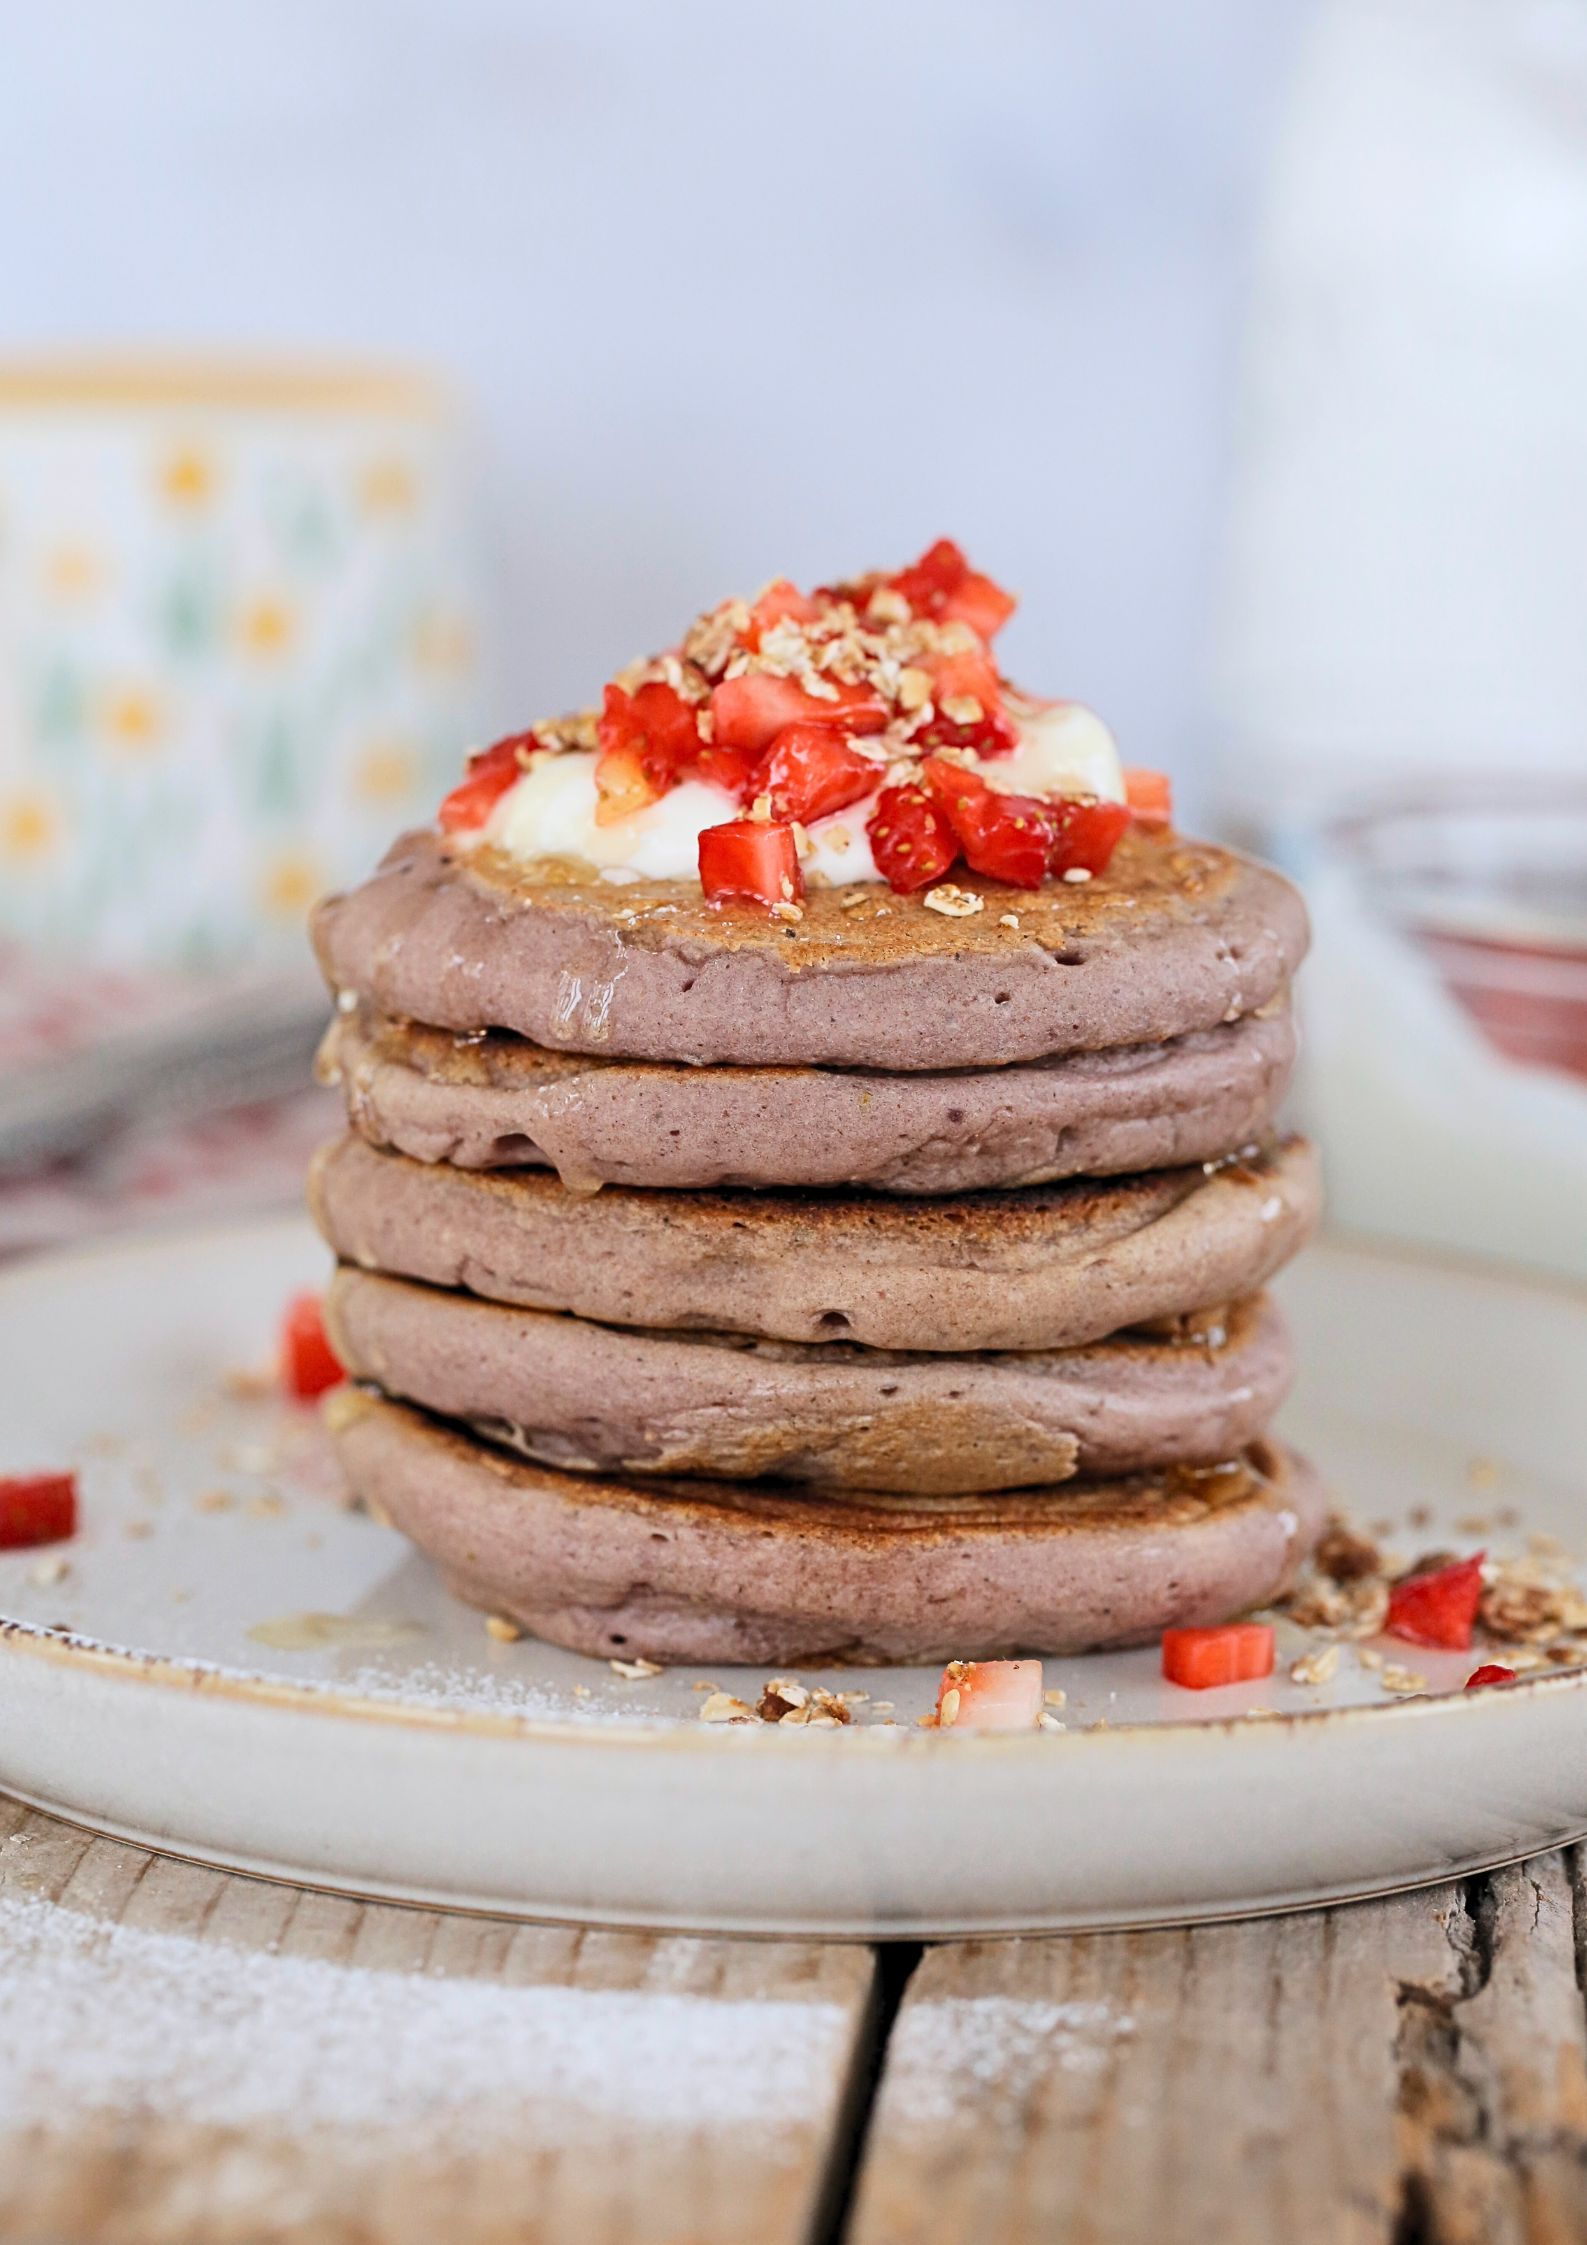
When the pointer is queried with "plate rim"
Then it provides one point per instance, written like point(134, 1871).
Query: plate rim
point(877, 1933)
point(68, 1648)
point(72, 1649)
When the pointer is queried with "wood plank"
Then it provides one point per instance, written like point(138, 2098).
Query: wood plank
point(191, 2058)
point(1411, 2068)
point(1495, 2084)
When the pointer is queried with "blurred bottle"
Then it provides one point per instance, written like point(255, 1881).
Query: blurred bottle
point(1407, 590)
point(1406, 605)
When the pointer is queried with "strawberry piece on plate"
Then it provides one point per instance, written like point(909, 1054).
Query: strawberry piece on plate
point(1005, 837)
point(1237, 1652)
point(36, 1508)
point(1438, 1608)
point(1149, 795)
point(990, 1695)
point(490, 773)
point(810, 771)
point(309, 1364)
point(1086, 835)
point(1491, 1672)
point(750, 711)
point(911, 839)
point(753, 858)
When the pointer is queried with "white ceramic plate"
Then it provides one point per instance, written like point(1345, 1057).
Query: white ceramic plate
point(168, 1688)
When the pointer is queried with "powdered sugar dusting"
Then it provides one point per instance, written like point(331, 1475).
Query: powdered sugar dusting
point(996, 2043)
point(111, 2019)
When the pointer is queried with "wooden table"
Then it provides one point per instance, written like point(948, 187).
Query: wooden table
point(201, 2059)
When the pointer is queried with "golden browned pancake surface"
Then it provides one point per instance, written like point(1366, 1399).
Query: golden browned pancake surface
point(1175, 937)
point(1050, 1266)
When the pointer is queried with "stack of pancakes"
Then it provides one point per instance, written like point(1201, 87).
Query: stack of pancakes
point(884, 1286)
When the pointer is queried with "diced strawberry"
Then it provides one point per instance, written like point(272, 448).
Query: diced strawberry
point(1086, 834)
point(733, 769)
point(1005, 837)
point(37, 1508)
point(670, 725)
point(617, 728)
point(990, 1695)
point(781, 602)
point(750, 711)
point(1440, 1607)
point(490, 773)
point(855, 590)
point(958, 680)
point(1491, 1672)
point(655, 724)
point(1150, 796)
point(972, 671)
point(911, 839)
point(309, 1364)
point(943, 586)
point(648, 740)
point(994, 733)
point(753, 858)
point(1237, 1652)
point(980, 603)
point(810, 771)
point(931, 580)
point(622, 785)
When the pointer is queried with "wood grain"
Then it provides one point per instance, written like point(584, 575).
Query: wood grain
point(1405, 2072)
point(746, 2162)
point(1408, 2072)
point(1494, 2083)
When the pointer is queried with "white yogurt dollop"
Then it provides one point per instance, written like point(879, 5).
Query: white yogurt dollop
point(1064, 749)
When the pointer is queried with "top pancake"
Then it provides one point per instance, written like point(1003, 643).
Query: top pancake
point(1176, 937)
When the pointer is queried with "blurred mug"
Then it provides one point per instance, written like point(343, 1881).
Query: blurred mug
point(239, 646)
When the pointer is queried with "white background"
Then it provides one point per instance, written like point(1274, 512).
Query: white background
point(735, 290)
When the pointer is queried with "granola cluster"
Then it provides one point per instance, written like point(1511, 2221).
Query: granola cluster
point(784, 1700)
point(1532, 1611)
point(862, 635)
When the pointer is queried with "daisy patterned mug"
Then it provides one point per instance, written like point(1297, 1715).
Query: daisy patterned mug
point(240, 613)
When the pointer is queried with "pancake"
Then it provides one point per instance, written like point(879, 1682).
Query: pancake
point(1043, 1267)
point(749, 1572)
point(491, 1101)
point(1175, 937)
point(599, 1398)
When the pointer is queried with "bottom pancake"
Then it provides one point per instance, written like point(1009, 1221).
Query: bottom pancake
point(605, 1399)
point(728, 1571)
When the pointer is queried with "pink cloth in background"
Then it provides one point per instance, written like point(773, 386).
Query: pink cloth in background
point(246, 1159)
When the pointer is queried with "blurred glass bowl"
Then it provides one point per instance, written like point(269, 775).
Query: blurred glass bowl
point(1491, 882)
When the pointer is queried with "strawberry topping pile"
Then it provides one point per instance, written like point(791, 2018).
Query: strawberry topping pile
point(882, 691)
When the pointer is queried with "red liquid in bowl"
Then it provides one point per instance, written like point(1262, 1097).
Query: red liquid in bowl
point(1529, 998)
point(1491, 881)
